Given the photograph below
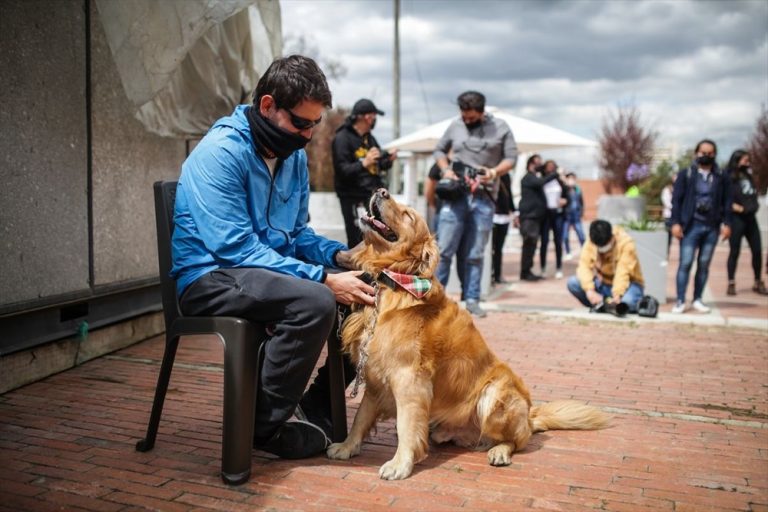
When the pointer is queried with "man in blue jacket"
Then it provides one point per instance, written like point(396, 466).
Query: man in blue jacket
point(242, 247)
point(701, 203)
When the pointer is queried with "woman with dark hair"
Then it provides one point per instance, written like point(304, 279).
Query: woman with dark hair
point(744, 204)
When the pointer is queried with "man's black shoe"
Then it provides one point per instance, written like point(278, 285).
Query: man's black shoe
point(305, 413)
point(295, 440)
point(530, 277)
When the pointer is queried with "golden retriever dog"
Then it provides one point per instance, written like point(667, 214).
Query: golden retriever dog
point(426, 364)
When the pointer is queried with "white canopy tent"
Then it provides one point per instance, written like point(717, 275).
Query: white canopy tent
point(531, 137)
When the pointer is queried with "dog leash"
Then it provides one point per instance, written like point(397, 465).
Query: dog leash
point(363, 350)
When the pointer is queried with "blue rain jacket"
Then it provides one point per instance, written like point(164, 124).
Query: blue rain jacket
point(230, 212)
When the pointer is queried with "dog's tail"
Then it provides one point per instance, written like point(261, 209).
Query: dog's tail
point(567, 415)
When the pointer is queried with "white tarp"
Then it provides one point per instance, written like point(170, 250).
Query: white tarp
point(185, 63)
point(530, 136)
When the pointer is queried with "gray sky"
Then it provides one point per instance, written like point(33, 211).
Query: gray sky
point(694, 69)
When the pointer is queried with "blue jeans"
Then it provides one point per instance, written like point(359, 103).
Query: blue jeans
point(464, 227)
point(631, 297)
point(572, 218)
point(704, 238)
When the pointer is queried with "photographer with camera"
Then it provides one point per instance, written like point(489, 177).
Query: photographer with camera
point(701, 203)
point(483, 150)
point(608, 277)
point(359, 165)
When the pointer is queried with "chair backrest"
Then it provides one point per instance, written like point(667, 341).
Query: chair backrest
point(165, 199)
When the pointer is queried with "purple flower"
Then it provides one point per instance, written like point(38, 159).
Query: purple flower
point(636, 173)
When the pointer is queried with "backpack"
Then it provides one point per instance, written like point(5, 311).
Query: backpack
point(648, 306)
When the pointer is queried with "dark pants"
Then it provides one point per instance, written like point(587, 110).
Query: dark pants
point(744, 226)
point(300, 314)
point(530, 229)
point(349, 207)
point(497, 240)
point(552, 223)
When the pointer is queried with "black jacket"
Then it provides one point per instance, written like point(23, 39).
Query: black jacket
point(533, 203)
point(350, 178)
point(684, 198)
point(743, 192)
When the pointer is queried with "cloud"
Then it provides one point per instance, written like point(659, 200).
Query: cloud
point(693, 69)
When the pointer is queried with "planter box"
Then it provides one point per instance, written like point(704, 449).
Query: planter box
point(652, 253)
point(620, 209)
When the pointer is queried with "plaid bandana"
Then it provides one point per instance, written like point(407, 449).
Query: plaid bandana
point(416, 286)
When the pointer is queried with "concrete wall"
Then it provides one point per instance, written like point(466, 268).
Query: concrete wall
point(43, 150)
point(49, 249)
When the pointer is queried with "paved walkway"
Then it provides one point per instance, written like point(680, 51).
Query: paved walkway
point(689, 397)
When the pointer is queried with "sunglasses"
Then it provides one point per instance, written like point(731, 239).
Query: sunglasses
point(301, 123)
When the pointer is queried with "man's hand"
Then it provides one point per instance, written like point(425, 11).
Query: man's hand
point(348, 288)
point(737, 207)
point(344, 258)
point(725, 232)
point(594, 298)
point(371, 157)
point(677, 231)
point(488, 174)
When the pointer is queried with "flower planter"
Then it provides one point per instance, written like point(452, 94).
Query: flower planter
point(652, 252)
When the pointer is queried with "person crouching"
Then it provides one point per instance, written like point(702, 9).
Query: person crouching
point(608, 269)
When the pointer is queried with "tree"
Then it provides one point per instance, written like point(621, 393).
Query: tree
point(624, 142)
point(758, 152)
point(319, 154)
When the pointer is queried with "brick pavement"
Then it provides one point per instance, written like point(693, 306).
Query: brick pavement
point(690, 431)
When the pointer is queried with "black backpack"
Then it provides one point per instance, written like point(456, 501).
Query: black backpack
point(648, 307)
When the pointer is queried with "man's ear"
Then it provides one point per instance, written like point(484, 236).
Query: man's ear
point(267, 105)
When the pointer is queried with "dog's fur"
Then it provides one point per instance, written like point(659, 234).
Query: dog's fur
point(428, 365)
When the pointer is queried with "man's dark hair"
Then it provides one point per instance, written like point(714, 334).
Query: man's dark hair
point(471, 100)
point(531, 159)
point(705, 141)
point(291, 80)
point(569, 174)
point(733, 163)
point(600, 232)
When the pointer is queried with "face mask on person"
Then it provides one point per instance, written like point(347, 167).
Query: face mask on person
point(473, 124)
point(276, 140)
point(373, 124)
point(606, 248)
point(745, 168)
point(705, 160)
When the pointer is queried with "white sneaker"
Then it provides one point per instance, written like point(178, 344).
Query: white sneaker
point(700, 306)
point(559, 274)
point(679, 308)
point(568, 256)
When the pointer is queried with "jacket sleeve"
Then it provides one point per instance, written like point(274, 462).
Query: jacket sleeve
point(678, 193)
point(444, 144)
point(218, 205)
point(627, 262)
point(584, 271)
point(727, 200)
point(345, 163)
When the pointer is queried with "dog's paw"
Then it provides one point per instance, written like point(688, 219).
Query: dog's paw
point(500, 455)
point(342, 451)
point(395, 470)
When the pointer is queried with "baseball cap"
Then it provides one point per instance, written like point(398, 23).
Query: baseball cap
point(365, 106)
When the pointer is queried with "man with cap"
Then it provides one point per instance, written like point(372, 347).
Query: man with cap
point(358, 165)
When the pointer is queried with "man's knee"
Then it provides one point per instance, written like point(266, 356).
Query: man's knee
point(574, 286)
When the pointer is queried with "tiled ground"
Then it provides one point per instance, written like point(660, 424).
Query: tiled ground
point(690, 431)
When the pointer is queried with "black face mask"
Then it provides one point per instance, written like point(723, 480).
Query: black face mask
point(746, 169)
point(473, 125)
point(270, 138)
point(705, 160)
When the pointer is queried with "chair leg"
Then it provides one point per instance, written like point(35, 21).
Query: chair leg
point(240, 380)
point(171, 344)
point(337, 387)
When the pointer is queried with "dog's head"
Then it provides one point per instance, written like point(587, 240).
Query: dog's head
point(396, 238)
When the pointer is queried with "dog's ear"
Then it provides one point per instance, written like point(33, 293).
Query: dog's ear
point(430, 256)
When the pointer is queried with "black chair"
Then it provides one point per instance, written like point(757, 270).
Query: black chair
point(243, 349)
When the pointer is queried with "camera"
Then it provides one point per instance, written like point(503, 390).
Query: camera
point(383, 162)
point(469, 172)
point(703, 207)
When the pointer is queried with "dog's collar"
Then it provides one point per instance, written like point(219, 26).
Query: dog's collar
point(415, 285)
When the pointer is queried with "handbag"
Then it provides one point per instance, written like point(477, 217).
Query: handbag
point(648, 306)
